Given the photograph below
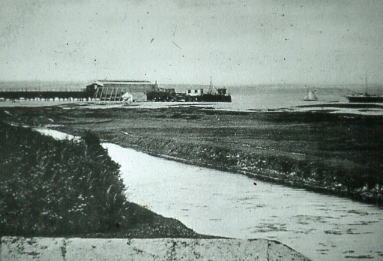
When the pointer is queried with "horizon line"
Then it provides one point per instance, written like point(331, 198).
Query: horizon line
point(186, 83)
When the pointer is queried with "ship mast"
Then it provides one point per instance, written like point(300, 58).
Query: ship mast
point(210, 90)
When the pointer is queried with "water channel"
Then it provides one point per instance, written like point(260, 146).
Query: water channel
point(225, 204)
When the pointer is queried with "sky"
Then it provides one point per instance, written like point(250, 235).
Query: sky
point(187, 41)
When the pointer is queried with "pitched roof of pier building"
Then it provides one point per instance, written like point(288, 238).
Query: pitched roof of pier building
point(106, 83)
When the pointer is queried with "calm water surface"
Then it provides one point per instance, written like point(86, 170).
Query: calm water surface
point(219, 203)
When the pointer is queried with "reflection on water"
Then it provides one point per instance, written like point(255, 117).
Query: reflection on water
point(223, 204)
point(58, 135)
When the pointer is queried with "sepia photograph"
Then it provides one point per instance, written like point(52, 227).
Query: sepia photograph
point(191, 130)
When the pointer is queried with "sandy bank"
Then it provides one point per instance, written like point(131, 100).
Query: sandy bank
point(72, 249)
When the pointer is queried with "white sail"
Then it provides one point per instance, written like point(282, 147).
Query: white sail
point(311, 96)
point(127, 97)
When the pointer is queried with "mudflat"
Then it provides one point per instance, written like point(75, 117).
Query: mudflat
point(331, 153)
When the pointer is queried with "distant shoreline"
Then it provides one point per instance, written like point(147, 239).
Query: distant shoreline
point(369, 109)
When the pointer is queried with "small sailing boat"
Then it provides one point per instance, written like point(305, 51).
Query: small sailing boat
point(310, 96)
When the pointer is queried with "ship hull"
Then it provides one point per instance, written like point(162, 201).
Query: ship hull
point(164, 96)
point(210, 98)
point(365, 98)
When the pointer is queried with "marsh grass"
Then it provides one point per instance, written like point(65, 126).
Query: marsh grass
point(51, 187)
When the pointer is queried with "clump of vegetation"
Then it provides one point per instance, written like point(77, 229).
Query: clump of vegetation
point(51, 187)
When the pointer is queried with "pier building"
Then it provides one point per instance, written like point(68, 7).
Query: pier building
point(118, 90)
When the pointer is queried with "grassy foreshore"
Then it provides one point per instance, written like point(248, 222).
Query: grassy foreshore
point(337, 154)
point(68, 188)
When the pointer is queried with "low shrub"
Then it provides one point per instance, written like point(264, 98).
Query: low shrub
point(51, 187)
